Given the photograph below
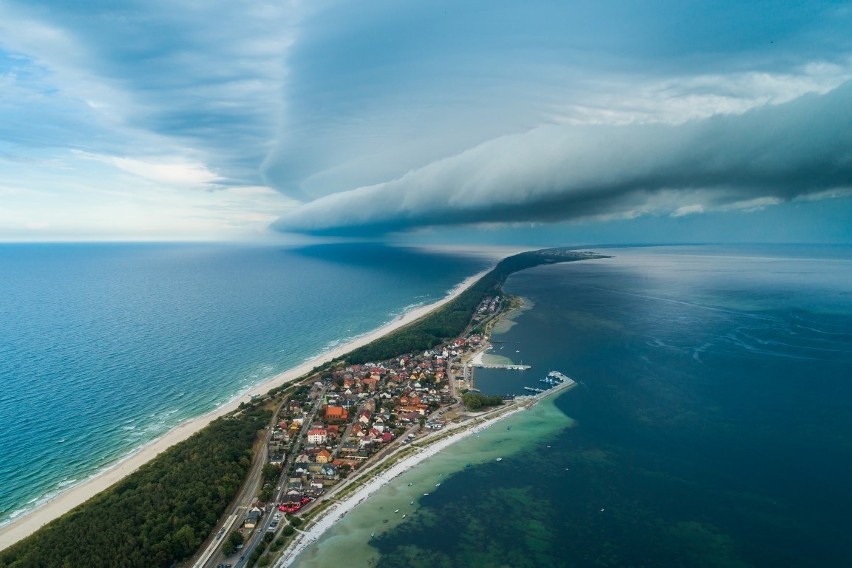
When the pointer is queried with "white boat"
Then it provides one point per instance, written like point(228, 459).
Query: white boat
point(397, 511)
point(499, 459)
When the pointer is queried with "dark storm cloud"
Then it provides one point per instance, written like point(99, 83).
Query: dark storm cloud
point(800, 149)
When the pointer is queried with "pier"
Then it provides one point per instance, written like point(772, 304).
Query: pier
point(510, 367)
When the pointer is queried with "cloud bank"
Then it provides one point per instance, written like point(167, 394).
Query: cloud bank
point(799, 149)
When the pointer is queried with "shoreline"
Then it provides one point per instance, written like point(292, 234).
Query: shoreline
point(78, 494)
point(338, 511)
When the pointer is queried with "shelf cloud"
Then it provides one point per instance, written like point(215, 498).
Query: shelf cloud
point(800, 149)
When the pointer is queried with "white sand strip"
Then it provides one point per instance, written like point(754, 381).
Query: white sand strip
point(75, 495)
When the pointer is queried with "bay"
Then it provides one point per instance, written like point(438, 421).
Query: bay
point(712, 425)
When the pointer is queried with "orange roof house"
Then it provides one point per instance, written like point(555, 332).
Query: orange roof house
point(336, 413)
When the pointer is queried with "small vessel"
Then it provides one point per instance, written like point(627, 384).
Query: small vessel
point(409, 485)
point(412, 503)
point(499, 459)
point(403, 516)
point(372, 535)
point(397, 511)
point(425, 494)
point(437, 484)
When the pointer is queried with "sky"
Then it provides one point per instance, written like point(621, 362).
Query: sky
point(538, 122)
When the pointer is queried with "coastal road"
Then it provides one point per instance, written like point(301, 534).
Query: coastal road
point(267, 519)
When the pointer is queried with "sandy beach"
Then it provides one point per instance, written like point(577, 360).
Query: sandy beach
point(76, 495)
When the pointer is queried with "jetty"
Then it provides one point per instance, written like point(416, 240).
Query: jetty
point(509, 367)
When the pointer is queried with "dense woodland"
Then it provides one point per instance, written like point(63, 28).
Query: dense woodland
point(157, 516)
point(451, 320)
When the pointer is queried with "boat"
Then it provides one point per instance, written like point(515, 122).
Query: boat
point(409, 484)
point(437, 484)
point(397, 511)
point(403, 516)
point(499, 459)
point(412, 503)
point(372, 535)
point(425, 494)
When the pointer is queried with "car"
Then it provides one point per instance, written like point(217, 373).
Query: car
point(276, 516)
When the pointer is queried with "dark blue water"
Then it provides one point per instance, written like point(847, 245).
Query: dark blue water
point(713, 420)
point(105, 347)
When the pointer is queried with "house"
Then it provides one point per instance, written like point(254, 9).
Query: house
point(364, 416)
point(317, 435)
point(252, 518)
point(323, 456)
point(336, 414)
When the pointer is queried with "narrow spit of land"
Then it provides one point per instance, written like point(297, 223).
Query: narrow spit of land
point(76, 495)
point(451, 318)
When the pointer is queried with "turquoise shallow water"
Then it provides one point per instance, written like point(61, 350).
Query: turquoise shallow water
point(105, 347)
point(712, 425)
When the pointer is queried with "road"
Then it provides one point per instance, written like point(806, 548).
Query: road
point(267, 517)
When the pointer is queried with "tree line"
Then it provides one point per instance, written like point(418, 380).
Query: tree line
point(450, 320)
point(157, 516)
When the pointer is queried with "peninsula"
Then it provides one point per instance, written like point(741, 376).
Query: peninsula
point(333, 434)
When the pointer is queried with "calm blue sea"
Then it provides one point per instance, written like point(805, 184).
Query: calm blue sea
point(712, 425)
point(106, 347)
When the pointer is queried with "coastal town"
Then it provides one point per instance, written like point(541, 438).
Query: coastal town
point(343, 422)
point(261, 478)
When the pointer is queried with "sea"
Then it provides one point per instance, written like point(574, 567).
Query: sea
point(105, 347)
point(711, 424)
